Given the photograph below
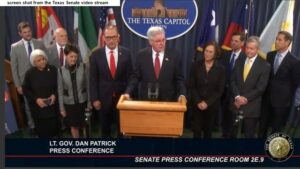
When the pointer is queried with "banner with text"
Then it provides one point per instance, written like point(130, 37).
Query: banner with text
point(59, 3)
point(177, 17)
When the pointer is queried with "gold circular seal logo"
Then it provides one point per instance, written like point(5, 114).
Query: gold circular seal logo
point(279, 147)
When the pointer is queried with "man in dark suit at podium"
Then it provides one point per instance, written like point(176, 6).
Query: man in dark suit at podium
point(157, 70)
point(110, 68)
point(248, 83)
point(281, 87)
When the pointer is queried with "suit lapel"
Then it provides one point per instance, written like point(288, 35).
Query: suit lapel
point(105, 63)
point(241, 71)
point(272, 58)
point(228, 57)
point(120, 60)
point(165, 64)
point(284, 61)
point(56, 52)
point(23, 49)
point(148, 60)
point(56, 55)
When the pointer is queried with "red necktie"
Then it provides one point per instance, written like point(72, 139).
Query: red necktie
point(61, 56)
point(112, 64)
point(157, 65)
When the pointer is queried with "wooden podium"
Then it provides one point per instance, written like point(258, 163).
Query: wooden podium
point(151, 118)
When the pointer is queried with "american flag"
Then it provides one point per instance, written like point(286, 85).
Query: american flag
point(107, 17)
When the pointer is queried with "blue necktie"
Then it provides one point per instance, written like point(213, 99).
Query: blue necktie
point(231, 63)
point(29, 49)
point(277, 62)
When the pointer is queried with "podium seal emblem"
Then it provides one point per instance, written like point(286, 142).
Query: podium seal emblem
point(279, 147)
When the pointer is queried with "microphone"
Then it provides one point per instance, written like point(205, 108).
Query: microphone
point(153, 91)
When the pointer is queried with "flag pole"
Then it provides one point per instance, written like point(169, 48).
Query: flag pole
point(249, 18)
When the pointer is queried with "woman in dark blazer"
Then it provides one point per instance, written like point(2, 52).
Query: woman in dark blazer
point(207, 82)
point(73, 90)
point(40, 88)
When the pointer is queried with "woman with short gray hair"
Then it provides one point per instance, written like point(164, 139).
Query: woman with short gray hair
point(40, 88)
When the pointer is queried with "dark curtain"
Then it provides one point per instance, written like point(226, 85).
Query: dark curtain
point(296, 34)
point(185, 44)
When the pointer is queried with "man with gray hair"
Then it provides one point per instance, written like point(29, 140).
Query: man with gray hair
point(248, 83)
point(157, 70)
point(56, 51)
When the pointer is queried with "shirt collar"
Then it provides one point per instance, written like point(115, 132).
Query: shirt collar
point(107, 50)
point(283, 54)
point(237, 53)
point(252, 59)
point(59, 46)
point(160, 53)
point(26, 42)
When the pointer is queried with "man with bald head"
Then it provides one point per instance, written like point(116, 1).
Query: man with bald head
point(56, 51)
point(110, 68)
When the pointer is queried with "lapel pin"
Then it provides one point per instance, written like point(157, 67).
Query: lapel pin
point(167, 59)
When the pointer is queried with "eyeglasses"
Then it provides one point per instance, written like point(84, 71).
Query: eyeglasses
point(111, 37)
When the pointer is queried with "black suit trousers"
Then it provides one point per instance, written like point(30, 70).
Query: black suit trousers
point(274, 117)
point(227, 114)
point(203, 122)
point(109, 115)
point(279, 118)
point(250, 127)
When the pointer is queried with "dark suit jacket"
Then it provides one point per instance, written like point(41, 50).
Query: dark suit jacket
point(281, 85)
point(225, 61)
point(207, 86)
point(102, 85)
point(297, 74)
point(171, 80)
point(254, 86)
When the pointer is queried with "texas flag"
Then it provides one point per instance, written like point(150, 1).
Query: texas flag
point(10, 124)
point(208, 28)
point(242, 18)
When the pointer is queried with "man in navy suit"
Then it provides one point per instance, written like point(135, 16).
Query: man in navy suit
point(110, 68)
point(157, 70)
point(248, 83)
point(228, 59)
point(280, 91)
